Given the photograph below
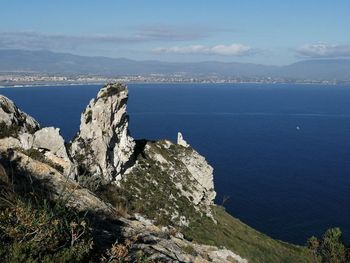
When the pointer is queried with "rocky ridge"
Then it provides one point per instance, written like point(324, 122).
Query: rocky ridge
point(167, 182)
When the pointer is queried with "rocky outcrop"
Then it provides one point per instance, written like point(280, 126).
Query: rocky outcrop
point(19, 130)
point(170, 184)
point(164, 244)
point(170, 181)
point(103, 146)
point(14, 120)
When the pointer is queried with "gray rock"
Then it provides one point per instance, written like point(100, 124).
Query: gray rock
point(50, 139)
point(103, 144)
point(26, 140)
point(173, 172)
point(10, 115)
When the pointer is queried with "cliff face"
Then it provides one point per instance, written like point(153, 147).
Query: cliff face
point(103, 146)
point(170, 182)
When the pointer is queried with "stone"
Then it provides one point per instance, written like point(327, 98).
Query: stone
point(166, 166)
point(11, 115)
point(26, 140)
point(50, 139)
point(103, 145)
point(181, 141)
point(59, 186)
point(9, 143)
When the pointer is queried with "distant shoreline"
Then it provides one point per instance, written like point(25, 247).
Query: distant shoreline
point(11, 86)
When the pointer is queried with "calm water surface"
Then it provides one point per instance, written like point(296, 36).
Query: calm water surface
point(280, 152)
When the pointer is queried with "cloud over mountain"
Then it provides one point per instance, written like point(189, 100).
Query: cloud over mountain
point(224, 50)
point(323, 50)
point(135, 35)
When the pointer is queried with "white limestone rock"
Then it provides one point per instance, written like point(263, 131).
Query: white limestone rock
point(26, 140)
point(202, 173)
point(50, 139)
point(164, 166)
point(10, 115)
point(103, 144)
point(181, 141)
point(9, 143)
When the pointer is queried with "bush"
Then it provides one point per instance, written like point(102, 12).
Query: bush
point(37, 231)
point(331, 248)
point(8, 131)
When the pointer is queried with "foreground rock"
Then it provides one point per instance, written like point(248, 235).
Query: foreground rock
point(158, 244)
point(103, 146)
point(13, 121)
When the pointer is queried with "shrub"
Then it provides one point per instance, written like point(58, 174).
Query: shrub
point(8, 130)
point(112, 89)
point(37, 231)
point(330, 249)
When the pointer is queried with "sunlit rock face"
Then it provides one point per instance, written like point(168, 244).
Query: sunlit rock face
point(103, 146)
point(14, 118)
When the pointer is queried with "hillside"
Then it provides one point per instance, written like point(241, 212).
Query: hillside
point(105, 197)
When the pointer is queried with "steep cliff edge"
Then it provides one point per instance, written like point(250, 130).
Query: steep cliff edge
point(144, 201)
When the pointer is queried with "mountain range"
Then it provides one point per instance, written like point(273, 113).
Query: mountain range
point(64, 63)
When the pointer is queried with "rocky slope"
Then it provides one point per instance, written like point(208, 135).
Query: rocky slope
point(153, 198)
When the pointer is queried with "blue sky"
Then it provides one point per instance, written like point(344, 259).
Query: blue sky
point(264, 31)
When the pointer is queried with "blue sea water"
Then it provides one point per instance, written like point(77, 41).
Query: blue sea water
point(280, 152)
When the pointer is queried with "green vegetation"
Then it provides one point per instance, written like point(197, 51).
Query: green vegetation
point(112, 89)
point(88, 117)
point(34, 230)
point(152, 188)
point(149, 190)
point(243, 240)
point(331, 248)
point(7, 131)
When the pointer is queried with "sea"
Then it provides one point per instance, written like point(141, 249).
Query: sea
point(280, 152)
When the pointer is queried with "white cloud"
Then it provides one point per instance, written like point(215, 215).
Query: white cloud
point(224, 50)
point(323, 50)
point(136, 35)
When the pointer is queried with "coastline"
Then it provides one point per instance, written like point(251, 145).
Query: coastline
point(52, 85)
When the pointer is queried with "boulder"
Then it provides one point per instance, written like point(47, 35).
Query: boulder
point(50, 139)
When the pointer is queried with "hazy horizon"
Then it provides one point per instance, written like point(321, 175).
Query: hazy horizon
point(269, 33)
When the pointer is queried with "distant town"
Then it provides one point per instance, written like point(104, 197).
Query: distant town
point(16, 79)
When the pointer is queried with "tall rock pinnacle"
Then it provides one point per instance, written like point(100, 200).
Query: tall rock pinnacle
point(103, 146)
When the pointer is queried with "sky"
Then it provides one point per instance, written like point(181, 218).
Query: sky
point(252, 31)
